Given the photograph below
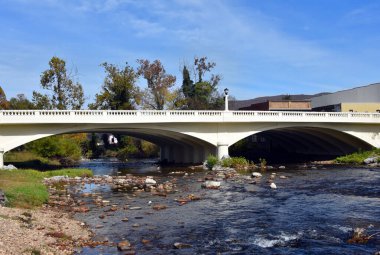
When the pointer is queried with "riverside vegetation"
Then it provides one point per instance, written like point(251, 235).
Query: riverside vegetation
point(359, 157)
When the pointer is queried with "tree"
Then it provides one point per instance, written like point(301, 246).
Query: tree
point(187, 83)
point(119, 90)
point(65, 93)
point(203, 94)
point(41, 101)
point(3, 100)
point(20, 102)
point(158, 94)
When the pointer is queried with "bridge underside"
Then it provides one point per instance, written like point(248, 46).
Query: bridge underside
point(174, 147)
point(302, 142)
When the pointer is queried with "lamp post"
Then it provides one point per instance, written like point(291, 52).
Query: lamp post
point(226, 99)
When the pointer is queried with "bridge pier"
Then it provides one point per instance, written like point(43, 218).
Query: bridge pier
point(222, 151)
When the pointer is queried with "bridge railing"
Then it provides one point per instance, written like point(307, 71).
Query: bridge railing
point(150, 116)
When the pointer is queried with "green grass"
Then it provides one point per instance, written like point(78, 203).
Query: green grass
point(357, 158)
point(26, 159)
point(24, 188)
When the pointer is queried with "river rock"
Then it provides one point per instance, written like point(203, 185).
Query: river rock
point(150, 181)
point(256, 174)
point(281, 167)
point(273, 185)
point(159, 207)
point(211, 184)
point(81, 209)
point(179, 245)
point(3, 198)
point(9, 167)
point(371, 160)
point(124, 245)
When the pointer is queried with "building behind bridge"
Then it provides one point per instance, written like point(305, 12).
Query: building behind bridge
point(359, 99)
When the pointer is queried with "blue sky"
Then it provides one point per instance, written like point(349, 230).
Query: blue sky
point(260, 47)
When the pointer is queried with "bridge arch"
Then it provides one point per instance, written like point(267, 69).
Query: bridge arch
point(176, 147)
point(311, 139)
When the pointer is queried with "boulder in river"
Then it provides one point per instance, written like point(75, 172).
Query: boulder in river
point(273, 185)
point(124, 245)
point(371, 160)
point(256, 174)
point(150, 181)
point(211, 184)
point(179, 245)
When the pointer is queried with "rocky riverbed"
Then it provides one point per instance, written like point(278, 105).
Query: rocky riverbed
point(282, 210)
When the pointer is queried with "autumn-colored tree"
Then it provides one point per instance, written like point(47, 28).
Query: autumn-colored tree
point(65, 93)
point(119, 90)
point(158, 95)
point(3, 100)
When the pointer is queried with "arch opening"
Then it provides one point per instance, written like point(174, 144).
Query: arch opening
point(175, 147)
point(297, 144)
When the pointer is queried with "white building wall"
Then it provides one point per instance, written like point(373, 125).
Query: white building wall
point(365, 94)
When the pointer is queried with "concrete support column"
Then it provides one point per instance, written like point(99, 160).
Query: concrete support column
point(165, 153)
point(1, 158)
point(223, 151)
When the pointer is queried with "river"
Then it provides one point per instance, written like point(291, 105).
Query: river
point(313, 211)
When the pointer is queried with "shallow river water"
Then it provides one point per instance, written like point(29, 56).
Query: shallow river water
point(310, 212)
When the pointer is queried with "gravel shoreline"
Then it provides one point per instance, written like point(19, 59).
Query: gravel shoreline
point(39, 231)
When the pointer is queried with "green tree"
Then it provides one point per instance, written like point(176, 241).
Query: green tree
point(158, 95)
point(20, 102)
point(187, 84)
point(3, 100)
point(65, 93)
point(203, 94)
point(119, 90)
point(41, 101)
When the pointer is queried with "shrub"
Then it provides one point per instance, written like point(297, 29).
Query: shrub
point(235, 162)
point(263, 162)
point(211, 161)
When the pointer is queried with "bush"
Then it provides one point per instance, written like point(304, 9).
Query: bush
point(211, 161)
point(263, 162)
point(58, 146)
point(235, 162)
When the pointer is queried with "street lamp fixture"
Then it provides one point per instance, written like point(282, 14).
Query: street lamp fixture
point(226, 99)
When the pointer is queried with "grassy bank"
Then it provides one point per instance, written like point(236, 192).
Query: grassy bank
point(24, 188)
point(26, 159)
point(358, 158)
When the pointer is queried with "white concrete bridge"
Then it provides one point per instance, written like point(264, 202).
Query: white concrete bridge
point(190, 136)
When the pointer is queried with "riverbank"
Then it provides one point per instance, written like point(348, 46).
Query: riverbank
point(29, 225)
point(39, 231)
